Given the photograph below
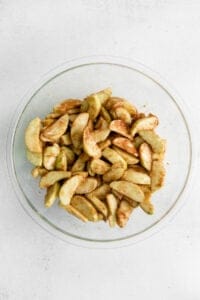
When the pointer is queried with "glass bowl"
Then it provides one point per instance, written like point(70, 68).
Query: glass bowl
point(142, 87)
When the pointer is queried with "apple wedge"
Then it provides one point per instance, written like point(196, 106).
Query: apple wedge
point(128, 189)
point(100, 192)
point(68, 189)
point(157, 175)
point(116, 172)
point(136, 175)
point(53, 176)
point(125, 144)
point(130, 159)
point(146, 123)
point(77, 129)
point(66, 105)
point(123, 213)
point(98, 166)
point(88, 185)
point(89, 144)
point(73, 211)
point(51, 195)
point(49, 156)
point(56, 130)
point(157, 144)
point(112, 203)
point(120, 127)
point(84, 206)
point(32, 136)
point(113, 157)
point(145, 154)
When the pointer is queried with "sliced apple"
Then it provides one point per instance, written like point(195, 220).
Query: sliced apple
point(112, 203)
point(121, 128)
point(51, 195)
point(85, 208)
point(100, 206)
point(77, 129)
point(125, 144)
point(89, 144)
point(88, 185)
point(100, 192)
point(145, 154)
point(123, 213)
point(32, 136)
point(157, 144)
point(61, 161)
point(49, 156)
point(68, 189)
point(146, 123)
point(98, 166)
point(73, 211)
point(66, 105)
point(113, 157)
point(80, 163)
point(130, 159)
point(116, 172)
point(52, 177)
point(128, 189)
point(157, 175)
point(56, 130)
point(136, 175)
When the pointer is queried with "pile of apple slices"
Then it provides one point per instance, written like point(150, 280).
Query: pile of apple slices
point(100, 157)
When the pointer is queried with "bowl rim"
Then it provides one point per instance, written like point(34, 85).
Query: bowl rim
point(52, 74)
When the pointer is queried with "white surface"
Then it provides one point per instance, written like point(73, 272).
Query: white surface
point(38, 35)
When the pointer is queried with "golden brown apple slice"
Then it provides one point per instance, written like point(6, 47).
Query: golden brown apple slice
point(125, 144)
point(137, 175)
point(53, 176)
point(85, 207)
point(128, 189)
point(32, 136)
point(145, 154)
point(112, 203)
point(123, 213)
point(68, 189)
point(51, 195)
point(146, 123)
point(77, 129)
point(157, 175)
point(89, 144)
point(121, 128)
point(88, 185)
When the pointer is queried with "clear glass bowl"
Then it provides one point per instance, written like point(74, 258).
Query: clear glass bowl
point(144, 89)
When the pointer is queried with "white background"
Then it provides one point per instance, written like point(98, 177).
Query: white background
point(38, 35)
